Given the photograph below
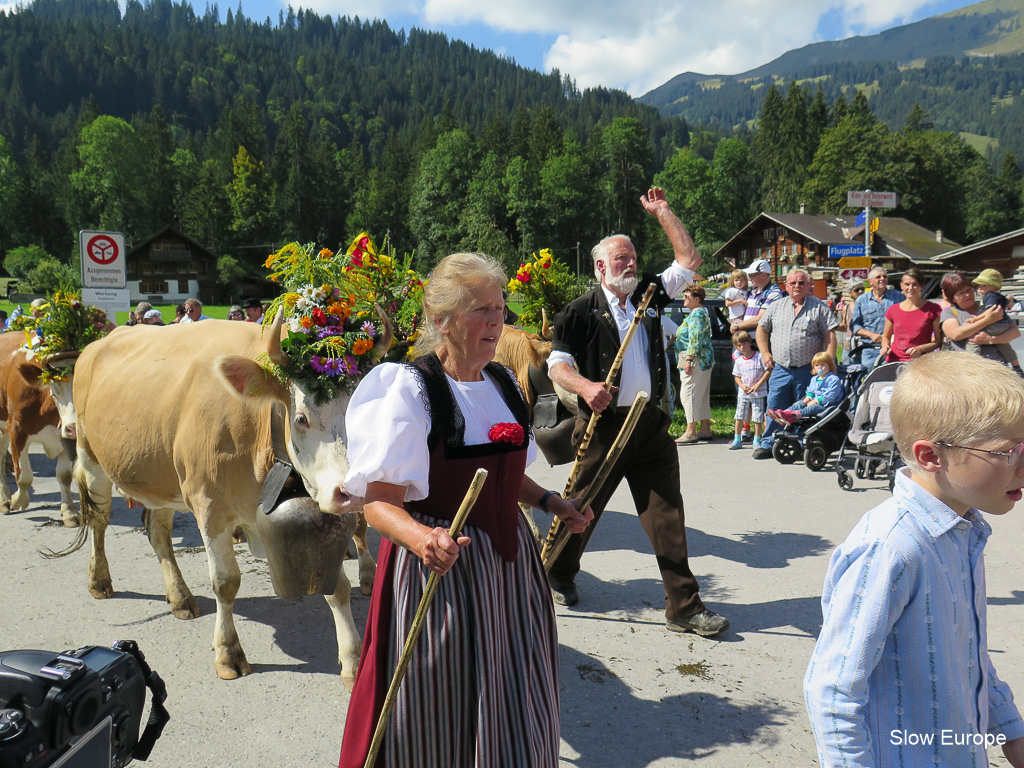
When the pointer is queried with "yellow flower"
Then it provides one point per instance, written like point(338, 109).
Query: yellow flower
point(290, 299)
point(514, 285)
point(326, 253)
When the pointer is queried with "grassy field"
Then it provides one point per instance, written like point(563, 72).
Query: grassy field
point(722, 411)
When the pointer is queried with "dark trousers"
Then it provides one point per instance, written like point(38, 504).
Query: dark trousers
point(650, 465)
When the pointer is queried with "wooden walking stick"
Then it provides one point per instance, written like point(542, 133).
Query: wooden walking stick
point(570, 484)
point(418, 620)
point(562, 537)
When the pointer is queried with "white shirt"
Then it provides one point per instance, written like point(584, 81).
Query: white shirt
point(387, 425)
point(635, 374)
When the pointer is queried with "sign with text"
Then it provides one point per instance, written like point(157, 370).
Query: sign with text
point(842, 251)
point(103, 259)
point(869, 199)
point(855, 262)
point(110, 300)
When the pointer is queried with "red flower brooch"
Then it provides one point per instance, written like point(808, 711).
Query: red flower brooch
point(506, 432)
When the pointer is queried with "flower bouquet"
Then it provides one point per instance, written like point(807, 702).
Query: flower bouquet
point(64, 327)
point(543, 282)
point(332, 328)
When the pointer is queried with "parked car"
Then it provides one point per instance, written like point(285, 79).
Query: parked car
point(722, 382)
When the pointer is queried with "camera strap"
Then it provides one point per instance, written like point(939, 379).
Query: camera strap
point(158, 715)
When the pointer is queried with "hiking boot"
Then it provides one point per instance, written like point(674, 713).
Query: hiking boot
point(564, 592)
point(706, 623)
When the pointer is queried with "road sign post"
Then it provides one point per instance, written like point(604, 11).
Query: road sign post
point(103, 259)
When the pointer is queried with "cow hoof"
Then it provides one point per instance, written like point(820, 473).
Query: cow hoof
point(71, 519)
point(232, 668)
point(186, 610)
point(101, 590)
point(5, 508)
point(19, 501)
point(348, 682)
point(366, 587)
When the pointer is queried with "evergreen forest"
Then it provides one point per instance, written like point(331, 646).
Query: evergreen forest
point(311, 128)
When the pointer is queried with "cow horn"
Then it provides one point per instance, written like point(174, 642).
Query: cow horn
point(545, 328)
point(274, 351)
point(387, 336)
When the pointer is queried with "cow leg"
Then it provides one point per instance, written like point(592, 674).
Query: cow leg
point(94, 492)
point(367, 567)
point(22, 470)
point(228, 657)
point(349, 642)
point(5, 490)
point(159, 524)
point(68, 510)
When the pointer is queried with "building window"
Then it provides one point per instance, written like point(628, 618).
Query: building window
point(152, 286)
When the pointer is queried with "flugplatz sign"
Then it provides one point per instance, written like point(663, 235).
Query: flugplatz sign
point(104, 264)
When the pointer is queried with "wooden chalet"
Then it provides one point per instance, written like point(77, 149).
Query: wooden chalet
point(802, 239)
point(1003, 252)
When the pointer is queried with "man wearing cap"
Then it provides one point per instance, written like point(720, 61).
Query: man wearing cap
point(764, 292)
point(152, 317)
point(868, 318)
point(253, 311)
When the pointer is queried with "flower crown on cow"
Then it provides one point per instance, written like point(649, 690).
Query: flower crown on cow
point(62, 330)
point(335, 332)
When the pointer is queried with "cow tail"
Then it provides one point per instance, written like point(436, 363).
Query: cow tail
point(89, 512)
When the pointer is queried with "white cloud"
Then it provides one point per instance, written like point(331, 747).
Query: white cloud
point(635, 46)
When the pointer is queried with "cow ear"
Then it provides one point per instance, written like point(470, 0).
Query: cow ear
point(245, 378)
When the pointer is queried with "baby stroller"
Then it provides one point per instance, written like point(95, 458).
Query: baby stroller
point(818, 437)
point(870, 438)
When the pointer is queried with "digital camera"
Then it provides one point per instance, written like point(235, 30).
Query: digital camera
point(77, 708)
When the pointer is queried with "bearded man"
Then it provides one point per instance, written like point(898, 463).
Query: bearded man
point(587, 334)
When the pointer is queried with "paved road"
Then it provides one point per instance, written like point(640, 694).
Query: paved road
point(632, 693)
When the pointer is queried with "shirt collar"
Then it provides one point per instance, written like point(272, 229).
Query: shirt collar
point(934, 516)
point(613, 300)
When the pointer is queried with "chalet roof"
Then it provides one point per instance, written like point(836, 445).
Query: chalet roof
point(175, 231)
point(982, 244)
point(899, 236)
point(905, 238)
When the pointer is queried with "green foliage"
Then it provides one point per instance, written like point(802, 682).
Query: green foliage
point(50, 275)
point(20, 261)
point(544, 283)
point(229, 271)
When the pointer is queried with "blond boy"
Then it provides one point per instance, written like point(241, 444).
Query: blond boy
point(901, 674)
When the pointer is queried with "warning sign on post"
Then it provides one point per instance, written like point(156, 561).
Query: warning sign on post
point(103, 259)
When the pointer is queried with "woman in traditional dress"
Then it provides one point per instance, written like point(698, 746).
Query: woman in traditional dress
point(482, 685)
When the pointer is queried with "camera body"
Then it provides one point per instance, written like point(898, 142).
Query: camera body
point(50, 702)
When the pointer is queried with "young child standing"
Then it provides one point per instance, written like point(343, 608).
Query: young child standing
point(824, 390)
point(751, 388)
point(989, 283)
point(736, 295)
point(901, 674)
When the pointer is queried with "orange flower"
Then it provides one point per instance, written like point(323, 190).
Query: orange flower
point(359, 346)
point(326, 253)
point(306, 322)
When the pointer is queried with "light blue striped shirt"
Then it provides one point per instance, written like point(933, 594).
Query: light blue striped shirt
point(901, 674)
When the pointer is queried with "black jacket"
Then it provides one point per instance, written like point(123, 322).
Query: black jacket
point(585, 329)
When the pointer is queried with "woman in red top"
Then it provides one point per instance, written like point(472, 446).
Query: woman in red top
point(912, 326)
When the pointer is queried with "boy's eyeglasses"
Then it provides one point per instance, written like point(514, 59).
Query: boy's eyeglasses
point(1012, 456)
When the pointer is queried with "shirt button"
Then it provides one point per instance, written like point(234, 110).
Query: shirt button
point(963, 525)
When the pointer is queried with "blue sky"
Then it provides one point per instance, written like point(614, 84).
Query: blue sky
point(623, 44)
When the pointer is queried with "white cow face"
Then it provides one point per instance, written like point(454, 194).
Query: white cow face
point(317, 446)
point(60, 389)
point(314, 434)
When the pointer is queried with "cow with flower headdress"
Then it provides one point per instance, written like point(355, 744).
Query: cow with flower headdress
point(239, 408)
point(36, 365)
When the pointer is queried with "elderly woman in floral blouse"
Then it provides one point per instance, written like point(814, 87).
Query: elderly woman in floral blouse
point(695, 355)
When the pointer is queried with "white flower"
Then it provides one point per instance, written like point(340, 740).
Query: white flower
point(307, 291)
point(295, 326)
point(304, 306)
point(319, 295)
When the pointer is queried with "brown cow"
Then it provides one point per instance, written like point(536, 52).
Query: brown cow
point(28, 414)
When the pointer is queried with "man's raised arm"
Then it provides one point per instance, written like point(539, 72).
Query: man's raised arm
point(654, 203)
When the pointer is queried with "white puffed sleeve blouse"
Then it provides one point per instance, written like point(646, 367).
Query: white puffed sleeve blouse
point(387, 424)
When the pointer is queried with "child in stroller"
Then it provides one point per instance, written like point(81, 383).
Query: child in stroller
point(816, 428)
point(824, 391)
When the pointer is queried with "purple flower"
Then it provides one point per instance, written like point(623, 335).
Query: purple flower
point(330, 330)
point(319, 363)
point(369, 329)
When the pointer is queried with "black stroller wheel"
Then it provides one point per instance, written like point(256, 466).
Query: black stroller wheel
point(785, 451)
point(815, 456)
point(844, 480)
point(858, 469)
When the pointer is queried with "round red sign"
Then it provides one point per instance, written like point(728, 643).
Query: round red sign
point(102, 249)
